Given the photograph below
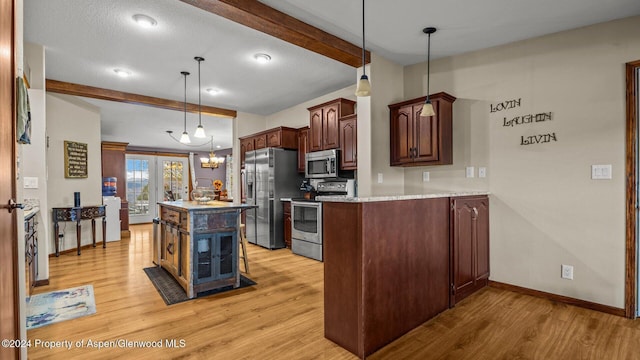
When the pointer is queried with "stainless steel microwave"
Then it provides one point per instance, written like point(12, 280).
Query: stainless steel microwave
point(322, 164)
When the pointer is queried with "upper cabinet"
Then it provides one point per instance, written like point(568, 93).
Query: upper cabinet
point(280, 137)
point(303, 147)
point(418, 140)
point(324, 123)
point(246, 144)
point(348, 142)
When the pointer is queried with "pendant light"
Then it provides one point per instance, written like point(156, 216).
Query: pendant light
point(427, 109)
point(200, 130)
point(212, 161)
point(185, 136)
point(364, 87)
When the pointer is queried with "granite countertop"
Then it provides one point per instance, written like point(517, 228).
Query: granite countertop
point(210, 205)
point(400, 197)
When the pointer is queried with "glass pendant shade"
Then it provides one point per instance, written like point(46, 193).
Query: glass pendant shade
point(427, 109)
point(200, 132)
point(364, 87)
point(185, 138)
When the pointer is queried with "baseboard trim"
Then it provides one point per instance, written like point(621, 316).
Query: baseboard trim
point(75, 250)
point(125, 233)
point(559, 298)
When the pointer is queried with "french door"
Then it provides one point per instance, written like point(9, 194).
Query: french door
point(151, 179)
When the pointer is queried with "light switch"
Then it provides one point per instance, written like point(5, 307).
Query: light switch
point(425, 176)
point(471, 172)
point(601, 172)
point(379, 178)
point(30, 182)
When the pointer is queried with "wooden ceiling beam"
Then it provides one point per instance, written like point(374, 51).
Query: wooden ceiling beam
point(66, 88)
point(258, 16)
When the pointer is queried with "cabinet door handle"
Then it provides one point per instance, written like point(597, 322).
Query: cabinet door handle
point(475, 211)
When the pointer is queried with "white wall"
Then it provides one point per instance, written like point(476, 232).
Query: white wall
point(69, 118)
point(545, 209)
point(386, 88)
point(298, 116)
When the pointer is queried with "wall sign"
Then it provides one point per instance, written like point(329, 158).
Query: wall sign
point(524, 120)
point(75, 160)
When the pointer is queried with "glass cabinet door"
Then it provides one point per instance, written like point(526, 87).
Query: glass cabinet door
point(203, 258)
point(227, 258)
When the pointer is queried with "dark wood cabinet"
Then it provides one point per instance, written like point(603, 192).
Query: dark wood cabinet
point(417, 140)
point(246, 144)
point(348, 143)
point(469, 246)
point(286, 216)
point(260, 141)
point(386, 269)
point(324, 123)
point(280, 137)
point(303, 147)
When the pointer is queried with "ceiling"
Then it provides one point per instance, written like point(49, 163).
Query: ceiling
point(86, 40)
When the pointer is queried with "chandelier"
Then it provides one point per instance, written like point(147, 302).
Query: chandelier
point(212, 161)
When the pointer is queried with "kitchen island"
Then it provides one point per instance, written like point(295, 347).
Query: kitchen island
point(199, 243)
point(393, 262)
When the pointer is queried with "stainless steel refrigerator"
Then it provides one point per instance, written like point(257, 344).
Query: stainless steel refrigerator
point(271, 174)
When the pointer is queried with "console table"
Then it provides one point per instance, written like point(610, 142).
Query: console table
point(76, 214)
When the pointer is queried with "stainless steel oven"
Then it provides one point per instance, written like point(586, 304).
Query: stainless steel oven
point(306, 228)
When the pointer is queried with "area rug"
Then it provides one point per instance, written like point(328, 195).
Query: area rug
point(171, 291)
point(56, 306)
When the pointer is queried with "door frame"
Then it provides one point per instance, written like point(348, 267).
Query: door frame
point(631, 147)
point(156, 178)
point(9, 286)
point(160, 175)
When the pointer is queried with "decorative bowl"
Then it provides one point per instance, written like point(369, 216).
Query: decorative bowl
point(203, 194)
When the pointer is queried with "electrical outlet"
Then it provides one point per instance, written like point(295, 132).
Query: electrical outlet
point(471, 172)
point(482, 172)
point(425, 176)
point(567, 272)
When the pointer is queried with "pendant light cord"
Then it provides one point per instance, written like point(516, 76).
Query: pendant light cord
point(185, 101)
point(428, 63)
point(199, 97)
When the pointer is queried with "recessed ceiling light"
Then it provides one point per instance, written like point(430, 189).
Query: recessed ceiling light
point(218, 146)
point(121, 72)
point(144, 20)
point(262, 58)
point(213, 91)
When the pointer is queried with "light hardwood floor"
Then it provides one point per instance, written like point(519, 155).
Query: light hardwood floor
point(282, 317)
